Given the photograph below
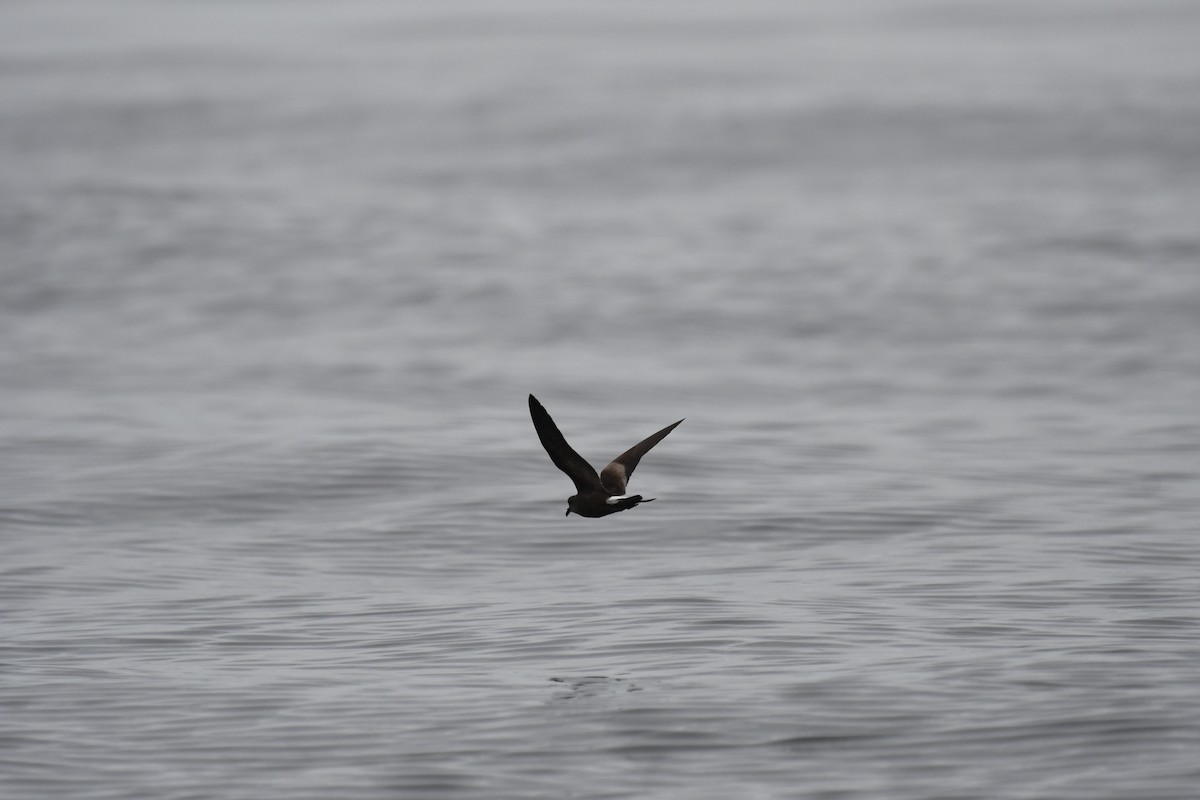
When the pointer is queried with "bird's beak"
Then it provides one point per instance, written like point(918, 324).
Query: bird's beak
point(568, 513)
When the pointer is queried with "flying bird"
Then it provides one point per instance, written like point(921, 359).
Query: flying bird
point(596, 495)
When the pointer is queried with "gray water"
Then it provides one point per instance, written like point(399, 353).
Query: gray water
point(924, 279)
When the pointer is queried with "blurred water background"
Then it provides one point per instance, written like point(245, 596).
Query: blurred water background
point(277, 277)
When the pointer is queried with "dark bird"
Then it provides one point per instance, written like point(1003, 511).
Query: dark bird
point(597, 495)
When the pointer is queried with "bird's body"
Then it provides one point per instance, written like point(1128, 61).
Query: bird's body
point(597, 495)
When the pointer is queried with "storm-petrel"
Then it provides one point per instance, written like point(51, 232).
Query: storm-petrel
point(598, 495)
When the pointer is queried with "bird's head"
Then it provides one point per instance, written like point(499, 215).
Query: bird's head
point(571, 505)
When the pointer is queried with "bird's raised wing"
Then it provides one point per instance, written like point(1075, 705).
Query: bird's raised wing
point(616, 475)
point(581, 473)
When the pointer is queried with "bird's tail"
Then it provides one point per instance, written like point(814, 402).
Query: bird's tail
point(626, 503)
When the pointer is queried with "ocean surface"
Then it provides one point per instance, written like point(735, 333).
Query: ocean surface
point(277, 277)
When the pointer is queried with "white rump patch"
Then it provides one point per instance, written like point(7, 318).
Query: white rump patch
point(612, 501)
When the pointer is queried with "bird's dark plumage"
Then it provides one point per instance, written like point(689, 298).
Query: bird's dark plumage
point(596, 495)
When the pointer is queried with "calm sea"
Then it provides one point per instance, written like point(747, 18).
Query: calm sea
point(276, 279)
